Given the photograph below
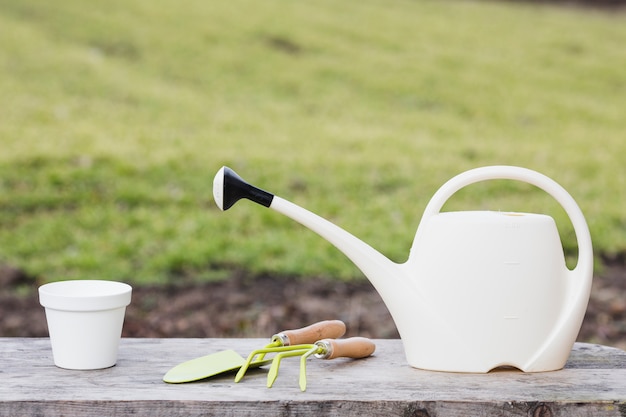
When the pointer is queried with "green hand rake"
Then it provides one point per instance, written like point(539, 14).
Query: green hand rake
point(354, 347)
point(290, 340)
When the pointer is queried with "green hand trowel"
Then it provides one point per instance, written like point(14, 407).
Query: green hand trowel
point(229, 360)
point(208, 366)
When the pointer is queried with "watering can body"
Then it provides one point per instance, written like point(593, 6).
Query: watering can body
point(480, 289)
point(495, 284)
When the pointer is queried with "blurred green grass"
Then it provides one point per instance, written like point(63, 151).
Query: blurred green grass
point(116, 115)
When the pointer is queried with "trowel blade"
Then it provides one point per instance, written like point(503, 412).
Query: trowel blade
point(208, 366)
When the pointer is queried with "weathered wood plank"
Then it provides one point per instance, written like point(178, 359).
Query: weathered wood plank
point(593, 383)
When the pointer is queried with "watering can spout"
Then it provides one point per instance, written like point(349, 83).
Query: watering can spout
point(228, 188)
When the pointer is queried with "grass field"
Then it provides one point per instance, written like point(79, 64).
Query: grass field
point(116, 115)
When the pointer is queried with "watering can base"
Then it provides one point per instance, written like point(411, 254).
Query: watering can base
point(453, 363)
point(485, 370)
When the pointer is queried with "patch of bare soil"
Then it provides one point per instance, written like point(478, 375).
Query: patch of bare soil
point(259, 306)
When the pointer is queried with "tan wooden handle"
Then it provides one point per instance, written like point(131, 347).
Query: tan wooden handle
point(353, 347)
point(310, 334)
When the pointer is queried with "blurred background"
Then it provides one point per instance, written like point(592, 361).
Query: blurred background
point(116, 116)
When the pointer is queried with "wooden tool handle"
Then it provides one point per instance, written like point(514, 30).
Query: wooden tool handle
point(310, 334)
point(353, 347)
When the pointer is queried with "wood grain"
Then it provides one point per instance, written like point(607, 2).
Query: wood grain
point(593, 383)
point(315, 332)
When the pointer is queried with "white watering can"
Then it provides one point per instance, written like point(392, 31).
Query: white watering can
point(480, 289)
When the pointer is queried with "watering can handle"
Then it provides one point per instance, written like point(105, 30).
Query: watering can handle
point(583, 237)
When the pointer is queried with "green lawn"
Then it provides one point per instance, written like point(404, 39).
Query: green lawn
point(116, 115)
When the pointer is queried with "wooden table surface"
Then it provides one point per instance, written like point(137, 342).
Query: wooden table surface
point(593, 383)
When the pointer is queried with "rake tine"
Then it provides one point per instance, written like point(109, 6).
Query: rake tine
point(303, 359)
point(273, 373)
point(246, 365)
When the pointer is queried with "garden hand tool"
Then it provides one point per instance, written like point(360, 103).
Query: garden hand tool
point(353, 347)
point(285, 340)
point(229, 360)
point(208, 366)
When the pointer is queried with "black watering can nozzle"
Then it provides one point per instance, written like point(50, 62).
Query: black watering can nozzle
point(228, 188)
